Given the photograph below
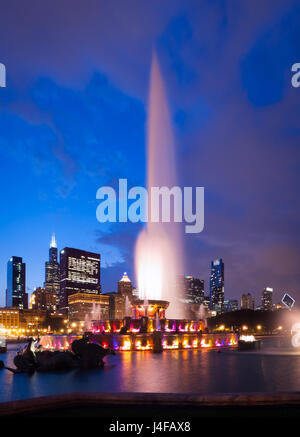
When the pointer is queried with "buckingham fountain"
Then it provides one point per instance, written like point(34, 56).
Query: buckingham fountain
point(158, 320)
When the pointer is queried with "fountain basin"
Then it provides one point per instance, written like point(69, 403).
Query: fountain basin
point(146, 341)
point(147, 324)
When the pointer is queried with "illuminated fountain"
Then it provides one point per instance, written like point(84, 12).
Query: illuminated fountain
point(158, 252)
point(158, 262)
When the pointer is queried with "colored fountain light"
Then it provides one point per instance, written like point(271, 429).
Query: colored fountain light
point(158, 251)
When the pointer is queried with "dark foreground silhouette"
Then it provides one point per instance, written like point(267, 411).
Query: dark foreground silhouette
point(84, 355)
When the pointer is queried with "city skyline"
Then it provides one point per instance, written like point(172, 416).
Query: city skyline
point(257, 294)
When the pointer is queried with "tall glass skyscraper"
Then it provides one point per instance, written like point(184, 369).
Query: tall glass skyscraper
point(16, 295)
point(79, 273)
point(216, 286)
point(52, 269)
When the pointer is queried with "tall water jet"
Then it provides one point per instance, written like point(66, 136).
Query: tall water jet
point(158, 252)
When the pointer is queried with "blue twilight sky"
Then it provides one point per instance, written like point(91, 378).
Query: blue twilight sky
point(72, 118)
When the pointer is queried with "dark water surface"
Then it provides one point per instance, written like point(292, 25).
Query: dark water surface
point(276, 367)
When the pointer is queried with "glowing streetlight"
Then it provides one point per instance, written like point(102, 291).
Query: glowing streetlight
point(244, 327)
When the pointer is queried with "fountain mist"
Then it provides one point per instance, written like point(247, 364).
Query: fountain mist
point(158, 252)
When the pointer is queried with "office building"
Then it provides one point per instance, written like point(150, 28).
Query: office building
point(117, 305)
point(85, 307)
point(125, 286)
point(16, 295)
point(51, 284)
point(193, 290)
point(216, 286)
point(267, 299)
point(79, 273)
point(247, 302)
point(10, 318)
point(22, 321)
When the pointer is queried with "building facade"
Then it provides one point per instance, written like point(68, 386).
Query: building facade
point(52, 270)
point(84, 308)
point(193, 290)
point(117, 305)
point(247, 302)
point(79, 273)
point(267, 299)
point(41, 299)
point(10, 318)
point(22, 321)
point(230, 305)
point(16, 295)
point(216, 286)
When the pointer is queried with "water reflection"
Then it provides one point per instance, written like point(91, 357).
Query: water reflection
point(276, 367)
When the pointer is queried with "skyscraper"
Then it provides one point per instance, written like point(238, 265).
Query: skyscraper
point(52, 270)
point(16, 295)
point(194, 289)
point(79, 273)
point(216, 285)
point(125, 286)
point(267, 299)
point(247, 302)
